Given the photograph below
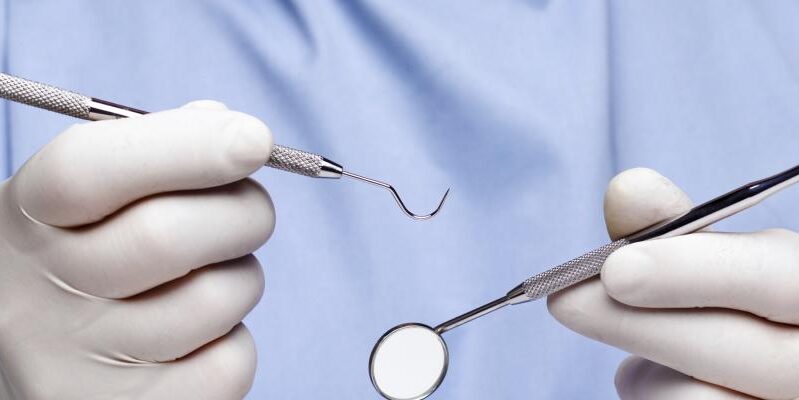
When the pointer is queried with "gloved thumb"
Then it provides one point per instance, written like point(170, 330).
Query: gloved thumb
point(640, 197)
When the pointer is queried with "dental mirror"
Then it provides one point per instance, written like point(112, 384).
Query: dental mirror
point(408, 362)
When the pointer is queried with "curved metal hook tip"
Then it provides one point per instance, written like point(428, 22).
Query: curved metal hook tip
point(397, 198)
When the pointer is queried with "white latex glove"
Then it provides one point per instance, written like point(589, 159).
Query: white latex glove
point(124, 259)
point(719, 307)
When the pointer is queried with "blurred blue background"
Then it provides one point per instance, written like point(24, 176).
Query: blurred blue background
point(526, 108)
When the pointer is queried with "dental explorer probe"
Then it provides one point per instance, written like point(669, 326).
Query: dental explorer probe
point(89, 108)
point(590, 264)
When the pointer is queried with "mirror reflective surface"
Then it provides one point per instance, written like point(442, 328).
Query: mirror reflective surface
point(408, 362)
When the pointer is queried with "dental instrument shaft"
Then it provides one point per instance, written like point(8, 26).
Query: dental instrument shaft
point(62, 101)
point(590, 264)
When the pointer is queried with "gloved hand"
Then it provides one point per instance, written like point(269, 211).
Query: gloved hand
point(125, 266)
point(716, 313)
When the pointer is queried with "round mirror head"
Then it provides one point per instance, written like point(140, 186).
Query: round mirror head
point(408, 362)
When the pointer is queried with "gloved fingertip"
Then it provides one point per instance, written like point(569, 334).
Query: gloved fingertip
point(639, 197)
point(251, 142)
point(626, 272)
point(629, 372)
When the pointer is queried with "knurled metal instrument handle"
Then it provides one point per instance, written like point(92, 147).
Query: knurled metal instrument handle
point(303, 163)
point(79, 106)
point(44, 96)
point(570, 272)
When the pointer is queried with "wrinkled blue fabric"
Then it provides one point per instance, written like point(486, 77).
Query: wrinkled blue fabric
point(525, 107)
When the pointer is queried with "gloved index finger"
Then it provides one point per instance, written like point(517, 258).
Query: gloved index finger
point(640, 197)
point(752, 272)
point(93, 169)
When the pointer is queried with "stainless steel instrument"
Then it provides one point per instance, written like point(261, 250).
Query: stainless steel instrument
point(567, 274)
point(89, 108)
point(590, 264)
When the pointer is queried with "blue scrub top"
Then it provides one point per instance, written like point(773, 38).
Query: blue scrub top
point(525, 107)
